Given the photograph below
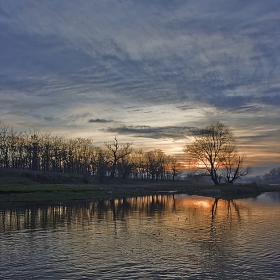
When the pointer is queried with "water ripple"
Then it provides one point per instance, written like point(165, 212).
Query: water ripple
point(186, 239)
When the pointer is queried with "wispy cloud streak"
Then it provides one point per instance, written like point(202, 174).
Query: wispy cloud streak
point(80, 64)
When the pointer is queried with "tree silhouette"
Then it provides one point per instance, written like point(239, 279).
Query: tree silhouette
point(214, 148)
point(41, 151)
point(117, 151)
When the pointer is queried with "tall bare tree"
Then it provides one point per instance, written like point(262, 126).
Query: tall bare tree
point(118, 151)
point(214, 148)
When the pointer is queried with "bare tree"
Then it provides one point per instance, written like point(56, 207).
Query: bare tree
point(232, 164)
point(4, 145)
point(214, 148)
point(125, 166)
point(102, 163)
point(139, 164)
point(155, 162)
point(40, 151)
point(175, 167)
point(118, 151)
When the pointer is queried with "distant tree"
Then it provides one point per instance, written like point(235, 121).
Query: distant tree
point(197, 175)
point(155, 163)
point(125, 166)
point(273, 176)
point(139, 164)
point(102, 163)
point(35, 147)
point(37, 150)
point(4, 145)
point(117, 151)
point(175, 167)
point(214, 148)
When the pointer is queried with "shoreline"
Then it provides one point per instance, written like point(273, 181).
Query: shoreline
point(61, 193)
point(37, 187)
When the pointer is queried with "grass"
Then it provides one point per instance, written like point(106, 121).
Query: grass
point(50, 193)
point(70, 192)
point(18, 186)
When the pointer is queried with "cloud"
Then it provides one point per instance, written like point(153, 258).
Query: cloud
point(99, 121)
point(65, 63)
point(271, 100)
point(173, 132)
point(165, 55)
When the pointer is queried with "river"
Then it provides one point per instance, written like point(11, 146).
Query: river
point(152, 237)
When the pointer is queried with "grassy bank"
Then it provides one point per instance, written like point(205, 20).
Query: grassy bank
point(39, 187)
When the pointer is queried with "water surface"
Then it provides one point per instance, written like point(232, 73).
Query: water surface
point(153, 237)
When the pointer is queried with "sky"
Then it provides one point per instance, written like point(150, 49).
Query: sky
point(146, 71)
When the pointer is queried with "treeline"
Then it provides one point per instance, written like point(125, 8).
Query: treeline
point(35, 150)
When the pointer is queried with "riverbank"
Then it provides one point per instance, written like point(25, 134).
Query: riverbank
point(51, 193)
point(39, 187)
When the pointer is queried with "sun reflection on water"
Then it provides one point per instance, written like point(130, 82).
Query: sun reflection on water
point(172, 236)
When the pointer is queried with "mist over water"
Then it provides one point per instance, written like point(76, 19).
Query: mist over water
point(153, 237)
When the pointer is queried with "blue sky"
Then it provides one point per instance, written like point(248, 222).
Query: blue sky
point(146, 71)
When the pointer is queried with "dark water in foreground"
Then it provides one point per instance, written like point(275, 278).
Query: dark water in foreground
point(155, 237)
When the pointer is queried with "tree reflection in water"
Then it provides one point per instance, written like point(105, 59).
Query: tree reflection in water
point(275, 196)
point(230, 203)
point(84, 214)
point(163, 234)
